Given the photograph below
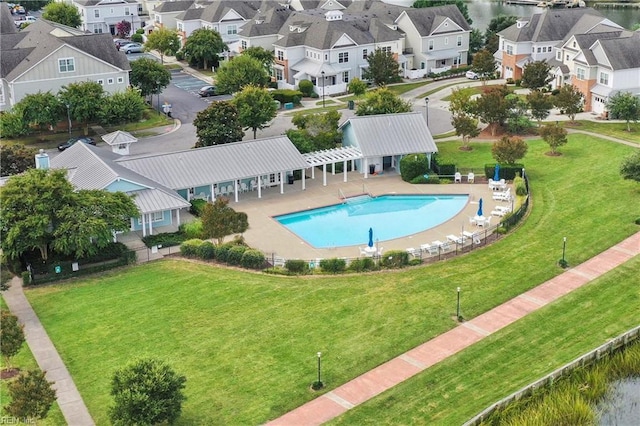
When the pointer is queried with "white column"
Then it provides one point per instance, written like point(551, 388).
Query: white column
point(313, 172)
point(213, 192)
point(144, 226)
point(304, 183)
point(281, 182)
point(235, 189)
point(366, 168)
point(150, 224)
point(333, 168)
point(259, 184)
point(324, 175)
point(178, 216)
point(344, 170)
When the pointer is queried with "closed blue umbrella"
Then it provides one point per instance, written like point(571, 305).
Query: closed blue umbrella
point(496, 173)
point(370, 237)
point(480, 208)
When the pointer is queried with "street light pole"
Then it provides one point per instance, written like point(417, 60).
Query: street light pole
point(319, 381)
point(426, 101)
point(564, 249)
point(69, 117)
point(458, 307)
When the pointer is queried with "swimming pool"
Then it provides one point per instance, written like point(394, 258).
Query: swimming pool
point(390, 216)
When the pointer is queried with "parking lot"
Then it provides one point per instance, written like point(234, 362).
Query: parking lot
point(191, 84)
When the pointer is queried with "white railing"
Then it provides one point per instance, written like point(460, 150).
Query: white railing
point(413, 74)
point(334, 89)
point(441, 69)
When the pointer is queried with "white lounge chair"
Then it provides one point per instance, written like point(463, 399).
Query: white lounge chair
point(455, 239)
point(243, 187)
point(413, 252)
point(252, 185)
point(485, 222)
point(472, 220)
point(502, 196)
point(457, 177)
point(471, 178)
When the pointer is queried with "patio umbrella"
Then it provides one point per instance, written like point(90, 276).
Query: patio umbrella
point(370, 237)
point(479, 214)
point(496, 173)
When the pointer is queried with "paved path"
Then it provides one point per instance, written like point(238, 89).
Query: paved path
point(401, 368)
point(47, 357)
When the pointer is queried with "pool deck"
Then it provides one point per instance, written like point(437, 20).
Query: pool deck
point(266, 234)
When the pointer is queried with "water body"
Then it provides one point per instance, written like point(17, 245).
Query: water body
point(622, 406)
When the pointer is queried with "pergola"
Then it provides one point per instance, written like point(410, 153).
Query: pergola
point(332, 156)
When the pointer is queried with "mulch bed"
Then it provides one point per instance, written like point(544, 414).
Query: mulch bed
point(9, 373)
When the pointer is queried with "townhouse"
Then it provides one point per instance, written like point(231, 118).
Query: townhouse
point(102, 16)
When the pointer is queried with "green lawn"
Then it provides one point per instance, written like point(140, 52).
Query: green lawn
point(247, 342)
point(477, 90)
point(616, 130)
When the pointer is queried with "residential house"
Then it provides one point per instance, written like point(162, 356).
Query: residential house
point(46, 56)
point(262, 30)
point(163, 15)
point(102, 16)
point(437, 37)
point(538, 37)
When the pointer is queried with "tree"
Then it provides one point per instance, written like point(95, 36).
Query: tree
point(382, 101)
point(146, 392)
point(41, 109)
point(256, 108)
point(476, 41)
point(62, 13)
point(122, 107)
point(12, 125)
point(203, 47)
point(264, 56)
point(494, 107)
point(11, 336)
point(460, 102)
point(569, 100)
point(84, 99)
point(462, 6)
point(163, 40)
point(33, 5)
point(220, 220)
point(466, 126)
point(31, 396)
point(625, 106)
point(509, 150)
point(630, 167)
point(554, 135)
point(240, 72)
point(315, 132)
point(484, 65)
point(149, 76)
point(15, 159)
point(123, 28)
point(357, 86)
point(536, 75)
point(218, 124)
point(540, 105)
point(383, 68)
point(496, 25)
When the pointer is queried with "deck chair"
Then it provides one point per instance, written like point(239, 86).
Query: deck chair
point(457, 177)
point(485, 222)
point(243, 187)
point(455, 239)
point(471, 178)
point(413, 252)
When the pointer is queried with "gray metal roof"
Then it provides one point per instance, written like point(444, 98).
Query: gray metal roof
point(119, 137)
point(215, 11)
point(153, 200)
point(173, 6)
point(391, 134)
point(219, 163)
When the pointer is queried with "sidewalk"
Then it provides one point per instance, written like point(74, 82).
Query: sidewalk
point(407, 365)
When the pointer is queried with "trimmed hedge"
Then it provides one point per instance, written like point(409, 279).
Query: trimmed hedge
point(190, 247)
point(287, 95)
point(165, 239)
point(252, 259)
point(297, 266)
point(334, 265)
point(362, 264)
point(506, 172)
point(413, 165)
point(234, 255)
point(207, 250)
point(395, 259)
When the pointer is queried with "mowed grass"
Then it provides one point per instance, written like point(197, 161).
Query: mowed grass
point(614, 129)
point(247, 341)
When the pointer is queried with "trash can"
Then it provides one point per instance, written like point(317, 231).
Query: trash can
point(351, 104)
point(372, 169)
point(290, 179)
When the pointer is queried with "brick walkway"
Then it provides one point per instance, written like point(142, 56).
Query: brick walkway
point(391, 373)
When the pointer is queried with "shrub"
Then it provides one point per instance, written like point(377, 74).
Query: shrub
point(510, 81)
point(207, 250)
point(507, 171)
point(234, 255)
point(26, 278)
point(395, 259)
point(518, 82)
point(286, 95)
point(180, 55)
point(190, 247)
point(413, 165)
point(306, 87)
point(192, 229)
point(333, 266)
point(197, 206)
point(165, 239)
point(297, 266)
point(252, 259)
point(431, 178)
point(362, 264)
point(12, 125)
point(314, 95)
point(137, 38)
point(140, 31)
point(222, 252)
point(519, 184)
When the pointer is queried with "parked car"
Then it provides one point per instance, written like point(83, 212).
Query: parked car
point(70, 142)
point(207, 91)
point(132, 48)
point(472, 75)
point(119, 42)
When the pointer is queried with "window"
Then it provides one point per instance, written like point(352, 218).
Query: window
point(457, 60)
point(120, 80)
point(179, 26)
point(430, 44)
point(365, 54)
point(566, 58)
point(580, 74)
point(509, 49)
point(446, 41)
point(279, 75)
point(574, 44)
point(232, 29)
point(111, 11)
point(459, 41)
point(96, 13)
point(386, 49)
point(243, 44)
point(343, 57)
point(110, 81)
point(155, 217)
point(345, 76)
point(101, 82)
point(326, 57)
point(127, 12)
point(97, 29)
point(280, 55)
point(539, 50)
point(559, 55)
point(157, 18)
point(422, 65)
point(66, 65)
point(604, 78)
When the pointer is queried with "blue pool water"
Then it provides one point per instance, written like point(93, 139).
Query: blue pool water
point(390, 216)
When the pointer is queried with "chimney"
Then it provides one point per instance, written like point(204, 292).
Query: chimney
point(42, 160)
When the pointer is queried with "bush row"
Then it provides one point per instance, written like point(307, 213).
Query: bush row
point(392, 259)
point(287, 95)
point(507, 171)
point(230, 253)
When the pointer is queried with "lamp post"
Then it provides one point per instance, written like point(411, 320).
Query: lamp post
point(322, 73)
point(68, 116)
point(318, 384)
point(426, 101)
point(458, 305)
point(564, 249)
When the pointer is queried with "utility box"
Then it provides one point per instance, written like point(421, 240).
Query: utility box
point(288, 105)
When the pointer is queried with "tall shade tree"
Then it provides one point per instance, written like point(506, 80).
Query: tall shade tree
point(554, 135)
point(467, 127)
point(536, 75)
point(496, 25)
point(484, 64)
point(11, 336)
point(569, 99)
point(218, 124)
point(84, 99)
point(31, 396)
point(62, 13)
point(630, 167)
point(383, 68)
point(16, 159)
point(123, 28)
point(460, 102)
point(122, 107)
point(264, 56)
point(625, 106)
point(508, 150)
point(315, 132)
point(149, 76)
point(220, 220)
point(540, 105)
point(494, 107)
point(382, 101)
point(203, 47)
point(12, 125)
point(163, 40)
point(42, 109)
point(476, 41)
point(239, 72)
point(256, 108)
point(146, 392)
